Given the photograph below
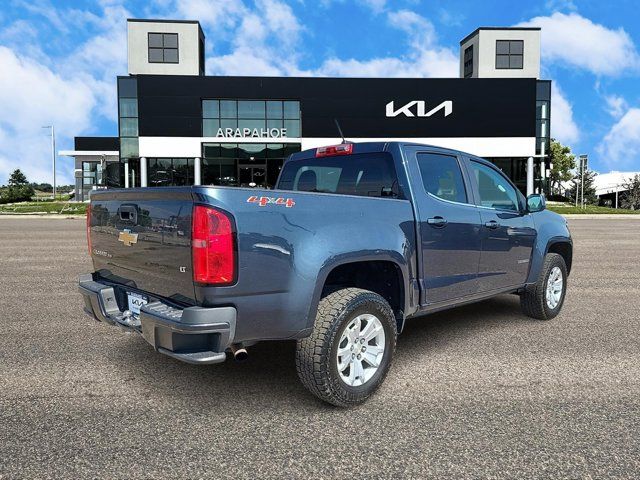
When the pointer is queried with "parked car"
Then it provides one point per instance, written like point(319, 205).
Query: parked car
point(355, 240)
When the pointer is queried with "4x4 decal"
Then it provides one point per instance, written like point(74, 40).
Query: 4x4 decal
point(264, 201)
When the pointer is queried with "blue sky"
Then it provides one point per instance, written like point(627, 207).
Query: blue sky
point(59, 60)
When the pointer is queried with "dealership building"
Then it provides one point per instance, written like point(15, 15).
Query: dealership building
point(178, 126)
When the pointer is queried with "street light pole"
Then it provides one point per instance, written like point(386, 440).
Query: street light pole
point(53, 155)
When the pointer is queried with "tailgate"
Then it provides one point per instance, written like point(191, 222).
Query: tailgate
point(142, 239)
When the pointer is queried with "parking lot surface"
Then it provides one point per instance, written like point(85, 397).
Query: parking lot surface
point(476, 392)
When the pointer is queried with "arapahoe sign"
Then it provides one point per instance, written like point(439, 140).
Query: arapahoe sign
point(252, 132)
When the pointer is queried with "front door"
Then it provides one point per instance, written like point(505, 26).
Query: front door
point(450, 229)
point(508, 231)
point(254, 176)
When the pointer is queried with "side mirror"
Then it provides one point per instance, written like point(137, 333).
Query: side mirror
point(536, 203)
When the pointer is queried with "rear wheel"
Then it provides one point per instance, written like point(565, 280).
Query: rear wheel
point(349, 353)
point(544, 299)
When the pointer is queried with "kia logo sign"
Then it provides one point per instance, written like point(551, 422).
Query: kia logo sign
point(420, 109)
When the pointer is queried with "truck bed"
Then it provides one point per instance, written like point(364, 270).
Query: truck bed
point(286, 243)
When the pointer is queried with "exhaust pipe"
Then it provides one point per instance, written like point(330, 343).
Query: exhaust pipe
point(240, 353)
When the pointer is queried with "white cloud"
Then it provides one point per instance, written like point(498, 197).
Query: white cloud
point(218, 16)
point(616, 105)
point(575, 41)
point(425, 58)
point(563, 127)
point(32, 95)
point(264, 42)
point(620, 148)
point(73, 91)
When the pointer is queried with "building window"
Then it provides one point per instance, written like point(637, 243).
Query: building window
point(92, 173)
point(128, 117)
point(166, 172)
point(163, 48)
point(244, 164)
point(251, 118)
point(509, 54)
point(468, 62)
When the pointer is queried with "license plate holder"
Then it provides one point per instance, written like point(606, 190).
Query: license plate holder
point(135, 301)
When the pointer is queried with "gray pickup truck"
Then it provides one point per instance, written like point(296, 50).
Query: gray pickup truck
point(355, 240)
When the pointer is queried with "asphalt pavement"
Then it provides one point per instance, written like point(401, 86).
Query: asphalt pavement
point(476, 392)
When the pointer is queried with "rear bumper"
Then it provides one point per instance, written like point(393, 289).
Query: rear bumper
point(193, 335)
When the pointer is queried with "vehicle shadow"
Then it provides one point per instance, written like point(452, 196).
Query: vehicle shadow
point(268, 377)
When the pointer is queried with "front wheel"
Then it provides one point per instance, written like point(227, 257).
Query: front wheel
point(349, 353)
point(544, 299)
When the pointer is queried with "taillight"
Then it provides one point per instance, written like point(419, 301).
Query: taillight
point(333, 150)
point(89, 228)
point(212, 246)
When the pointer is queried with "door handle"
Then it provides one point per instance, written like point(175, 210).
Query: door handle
point(492, 224)
point(437, 222)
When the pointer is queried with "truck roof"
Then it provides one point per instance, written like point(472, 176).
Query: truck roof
point(370, 147)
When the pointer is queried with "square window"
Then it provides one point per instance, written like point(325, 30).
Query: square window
point(128, 107)
point(128, 127)
point(291, 109)
point(515, 61)
point(210, 127)
point(170, 55)
point(170, 40)
point(163, 47)
point(155, 55)
point(274, 109)
point(128, 87)
point(251, 109)
point(155, 40)
point(210, 109)
point(293, 128)
point(502, 61)
point(228, 109)
point(128, 147)
point(516, 47)
point(502, 47)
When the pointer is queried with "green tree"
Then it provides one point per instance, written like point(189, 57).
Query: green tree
point(631, 198)
point(563, 162)
point(18, 189)
point(590, 197)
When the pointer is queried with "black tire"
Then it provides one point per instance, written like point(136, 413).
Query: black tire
point(533, 299)
point(316, 355)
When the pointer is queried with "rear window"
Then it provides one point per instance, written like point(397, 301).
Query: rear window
point(365, 174)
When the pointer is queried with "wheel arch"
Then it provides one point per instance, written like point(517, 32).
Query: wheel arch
point(385, 275)
point(564, 248)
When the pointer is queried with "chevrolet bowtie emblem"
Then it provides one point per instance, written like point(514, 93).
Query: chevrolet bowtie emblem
point(128, 238)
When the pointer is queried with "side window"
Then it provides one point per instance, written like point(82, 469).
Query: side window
point(442, 177)
point(495, 191)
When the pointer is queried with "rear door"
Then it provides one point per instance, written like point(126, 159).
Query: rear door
point(449, 225)
point(508, 232)
point(142, 239)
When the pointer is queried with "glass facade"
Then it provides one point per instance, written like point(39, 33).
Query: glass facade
point(254, 118)
point(165, 172)
point(128, 127)
point(244, 164)
point(543, 134)
point(515, 169)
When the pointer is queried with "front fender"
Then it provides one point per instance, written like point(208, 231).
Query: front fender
point(551, 229)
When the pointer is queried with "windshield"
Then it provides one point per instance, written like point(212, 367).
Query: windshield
point(365, 174)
